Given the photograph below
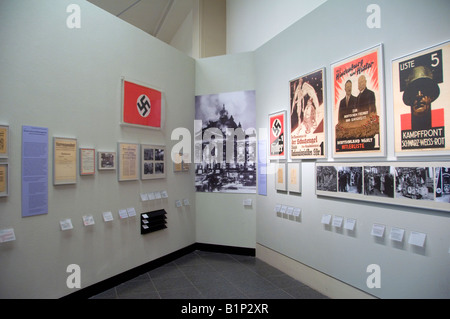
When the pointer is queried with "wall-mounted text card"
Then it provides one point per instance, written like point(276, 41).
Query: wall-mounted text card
point(123, 213)
point(396, 234)
point(350, 224)
point(88, 220)
point(108, 216)
point(66, 224)
point(178, 203)
point(144, 197)
point(417, 239)
point(326, 219)
point(296, 212)
point(131, 212)
point(164, 194)
point(337, 221)
point(7, 235)
point(377, 230)
point(186, 202)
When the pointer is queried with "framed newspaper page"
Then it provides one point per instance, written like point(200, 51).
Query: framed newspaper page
point(277, 135)
point(128, 161)
point(87, 161)
point(358, 124)
point(64, 160)
point(421, 92)
point(4, 141)
point(308, 116)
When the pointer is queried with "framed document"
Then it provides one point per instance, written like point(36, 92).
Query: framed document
point(308, 116)
point(358, 105)
point(277, 135)
point(128, 161)
point(280, 177)
point(142, 106)
point(106, 161)
point(421, 94)
point(4, 141)
point(87, 161)
point(4, 179)
point(153, 161)
point(64, 160)
point(294, 177)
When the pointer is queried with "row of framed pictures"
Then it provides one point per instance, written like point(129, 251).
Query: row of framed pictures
point(127, 159)
point(421, 92)
point(416, 184)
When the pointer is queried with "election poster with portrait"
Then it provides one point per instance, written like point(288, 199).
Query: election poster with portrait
point(358, 105)
point(421, 93)
point(307, 113)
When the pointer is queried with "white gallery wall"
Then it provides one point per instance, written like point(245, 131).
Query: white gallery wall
point(251, 23)
point(332, 32)
point(69, 81)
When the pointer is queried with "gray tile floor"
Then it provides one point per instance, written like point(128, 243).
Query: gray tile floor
point(208, 275)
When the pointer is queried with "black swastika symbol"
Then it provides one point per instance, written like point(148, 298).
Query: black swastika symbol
point(143, 105)
point(276, 127)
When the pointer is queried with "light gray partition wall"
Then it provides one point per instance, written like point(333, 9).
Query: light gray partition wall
point(334, 31)
point(68, 80)
point(221, 218)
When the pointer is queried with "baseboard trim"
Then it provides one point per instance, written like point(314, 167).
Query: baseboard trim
point(111, 282)
point(323, 283)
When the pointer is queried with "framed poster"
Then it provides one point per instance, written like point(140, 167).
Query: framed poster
point(4, 179)
point(414, 184)
point(308, 112)
point(277, 135)
point(153, 161)
point(421, 94)
point(64, 160)
point(128, 161)
point(358, 105)
point(107, 161)
point(280, 177)
point(294, 179)
point(4, 141)
point(87, 161)
point(142, 105)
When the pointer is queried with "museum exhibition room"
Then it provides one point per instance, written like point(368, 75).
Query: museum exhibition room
point(224, 149)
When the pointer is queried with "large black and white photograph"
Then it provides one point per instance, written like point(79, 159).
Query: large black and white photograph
point(225, 142)
point(414, 183)
point(326, 178)
point(350, 179)
point(379, 181)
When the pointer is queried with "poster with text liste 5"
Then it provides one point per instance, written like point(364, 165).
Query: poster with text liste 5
point(421, 92)
point(277, 135)
point(358, 105)
point(308, 111)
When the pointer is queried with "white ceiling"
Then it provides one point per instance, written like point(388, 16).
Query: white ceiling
point(160, 18)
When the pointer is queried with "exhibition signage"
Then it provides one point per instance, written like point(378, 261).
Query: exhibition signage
point(34, 171)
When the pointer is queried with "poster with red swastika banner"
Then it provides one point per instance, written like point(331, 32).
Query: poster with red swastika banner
point(141, 105)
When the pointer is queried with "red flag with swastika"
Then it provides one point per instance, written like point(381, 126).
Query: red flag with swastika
point(141, 105)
